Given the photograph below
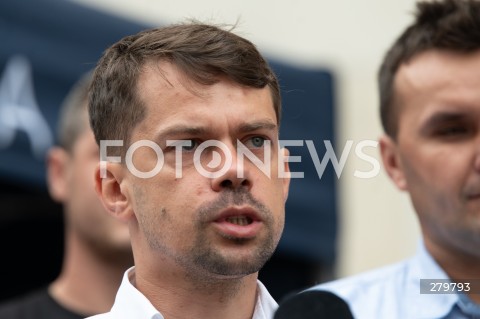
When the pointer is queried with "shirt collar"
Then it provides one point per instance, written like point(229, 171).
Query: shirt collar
point(131, 303)
point(266, 305)
point(423, 266)
point(467, 306)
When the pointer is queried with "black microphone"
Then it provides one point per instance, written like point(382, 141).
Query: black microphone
point(313, 304)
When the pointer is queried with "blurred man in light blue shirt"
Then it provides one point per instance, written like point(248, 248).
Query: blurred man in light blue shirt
point(430, 110)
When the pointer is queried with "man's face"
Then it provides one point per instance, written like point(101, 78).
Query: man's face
point(222, 226)
point(436, 156)
point(85, 215)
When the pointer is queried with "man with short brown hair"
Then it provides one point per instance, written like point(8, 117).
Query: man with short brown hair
point(430, 110)
point(163, 103)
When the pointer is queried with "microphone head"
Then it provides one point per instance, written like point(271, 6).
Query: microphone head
point(314, 304)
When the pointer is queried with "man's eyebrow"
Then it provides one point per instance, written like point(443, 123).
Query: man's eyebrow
point(258, 125)
point(443, 117)
point(181, 129)
point(191, 130)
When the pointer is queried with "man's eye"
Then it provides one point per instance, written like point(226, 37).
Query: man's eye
point(452, 131)
point(190, 145)
point(257, 141)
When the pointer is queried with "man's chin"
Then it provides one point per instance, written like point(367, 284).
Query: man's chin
point(239, 265)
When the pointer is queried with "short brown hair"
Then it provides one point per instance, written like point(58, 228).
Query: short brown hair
point(71, 122)
point(203, 52)
point(447, 25)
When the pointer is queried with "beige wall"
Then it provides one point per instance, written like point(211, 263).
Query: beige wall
point(349, 36)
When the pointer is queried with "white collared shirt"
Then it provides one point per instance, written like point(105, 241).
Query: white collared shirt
point(132, 304)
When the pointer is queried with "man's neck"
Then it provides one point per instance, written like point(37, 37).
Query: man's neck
point(179, 296)
point(87, 284)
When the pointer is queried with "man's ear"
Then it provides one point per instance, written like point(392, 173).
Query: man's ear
point(108, 186)
point(392, 162)
point(57, 173)
point(286, 180)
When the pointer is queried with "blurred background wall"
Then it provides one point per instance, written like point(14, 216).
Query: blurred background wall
point(377, 223)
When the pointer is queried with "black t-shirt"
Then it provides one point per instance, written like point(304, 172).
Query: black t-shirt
point(36, 305)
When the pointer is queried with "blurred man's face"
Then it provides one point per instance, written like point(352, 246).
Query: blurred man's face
point(84, 213)
point(436, 156)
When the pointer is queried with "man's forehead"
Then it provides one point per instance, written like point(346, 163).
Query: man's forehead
point(167, 100)
point(438, 84)
point(164, 78)
point(436, 68)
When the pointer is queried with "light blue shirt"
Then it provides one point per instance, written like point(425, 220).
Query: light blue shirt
point(130, 303)
point(393, 292)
